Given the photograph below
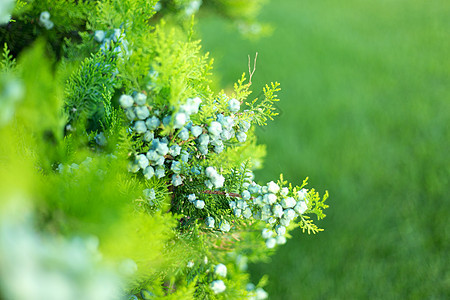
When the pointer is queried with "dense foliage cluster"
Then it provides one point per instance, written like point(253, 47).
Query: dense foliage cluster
point(124, 174)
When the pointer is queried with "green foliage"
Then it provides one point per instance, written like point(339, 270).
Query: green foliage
point(19, 7)
point(239, 8)
point(8, 62)
point(317, 204)
point(244, 13)
point(182, 72)
point(122, 142)
point(264, 110)
point(39, 115)
point(10, 86)
point(90, 88)
point(129, 14)
point(68, 15)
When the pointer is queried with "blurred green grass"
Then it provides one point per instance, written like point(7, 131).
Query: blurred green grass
point(365, 113)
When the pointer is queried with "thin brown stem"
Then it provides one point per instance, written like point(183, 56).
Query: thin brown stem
point(222, 193)
point(250, 72)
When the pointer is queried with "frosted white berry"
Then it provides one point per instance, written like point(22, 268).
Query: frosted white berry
point(126, 101)
point(218, 286)
point(220, 270)
point(234, 105)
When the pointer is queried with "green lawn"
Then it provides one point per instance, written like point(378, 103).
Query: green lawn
point(365, 113)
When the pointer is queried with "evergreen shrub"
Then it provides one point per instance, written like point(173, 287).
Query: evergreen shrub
point(124, 172)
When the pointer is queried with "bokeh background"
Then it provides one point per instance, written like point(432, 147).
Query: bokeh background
point(365, 113)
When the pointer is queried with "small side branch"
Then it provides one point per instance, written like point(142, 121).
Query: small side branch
point(222, 193)
point(250, 71)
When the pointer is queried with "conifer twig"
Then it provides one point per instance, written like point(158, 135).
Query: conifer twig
point(222, 193)
point(250, 72)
